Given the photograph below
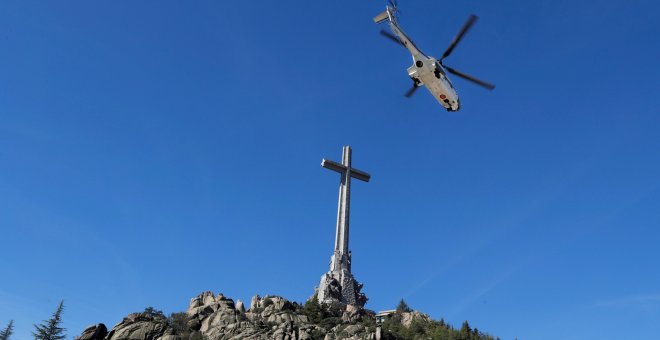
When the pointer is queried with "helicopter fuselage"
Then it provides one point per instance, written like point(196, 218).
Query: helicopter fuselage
point(427, 71)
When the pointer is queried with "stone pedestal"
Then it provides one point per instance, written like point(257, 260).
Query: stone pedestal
point(339, 285)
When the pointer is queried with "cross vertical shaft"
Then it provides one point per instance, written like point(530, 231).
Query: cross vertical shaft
point(339, 284)
point(344, 205)
point(341, 256)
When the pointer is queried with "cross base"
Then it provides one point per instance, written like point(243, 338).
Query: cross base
point(340, 286)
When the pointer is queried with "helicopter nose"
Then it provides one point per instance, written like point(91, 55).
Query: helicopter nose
point(454, 105)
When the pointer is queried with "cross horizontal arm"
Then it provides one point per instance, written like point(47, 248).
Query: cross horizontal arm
point(334, 166)
point(340, 168)
point(361, 175)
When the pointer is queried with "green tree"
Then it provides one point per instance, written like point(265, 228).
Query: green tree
point(6, 333)
point(154, 312)
point(466, 330)
point(313, 310)
point(325, 315)
point(50, 329)
point(403, 307)
point(178, 321)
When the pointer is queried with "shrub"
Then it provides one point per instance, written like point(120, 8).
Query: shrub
point(179, 322)
point(154, 312)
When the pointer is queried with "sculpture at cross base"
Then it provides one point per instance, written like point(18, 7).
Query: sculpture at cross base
point(338, 284)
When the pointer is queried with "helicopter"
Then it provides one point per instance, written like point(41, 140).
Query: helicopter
point(428, 71)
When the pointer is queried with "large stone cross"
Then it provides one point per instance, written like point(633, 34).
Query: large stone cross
point(341, 258)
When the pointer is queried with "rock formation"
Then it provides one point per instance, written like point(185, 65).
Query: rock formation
point(407, 318)
point(93, 332)
point(216, 317)
point(142, 326)
point(270, 317)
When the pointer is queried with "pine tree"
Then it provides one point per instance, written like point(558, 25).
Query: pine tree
point(313, 310)
point(403, 307)
point(50, 329)
point(6, 333)
point(465, 327)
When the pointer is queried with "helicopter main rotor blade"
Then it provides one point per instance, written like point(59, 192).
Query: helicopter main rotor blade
point(466, 27)
point(392, 37)
point(470, 78)
point(411, 91)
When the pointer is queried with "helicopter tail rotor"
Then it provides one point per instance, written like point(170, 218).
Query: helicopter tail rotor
point(393, 3)
point(390, 13)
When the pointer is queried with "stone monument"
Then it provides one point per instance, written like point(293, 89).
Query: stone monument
point(338, 284)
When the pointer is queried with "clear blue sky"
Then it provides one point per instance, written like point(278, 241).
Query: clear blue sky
point(153, 150)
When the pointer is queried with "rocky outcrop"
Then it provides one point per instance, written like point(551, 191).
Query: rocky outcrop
point(142, 326)
point(93, 332)
point(408, 317)
point(240, 307)
point(353, 314)
point(269, 317)
point(216, 317)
